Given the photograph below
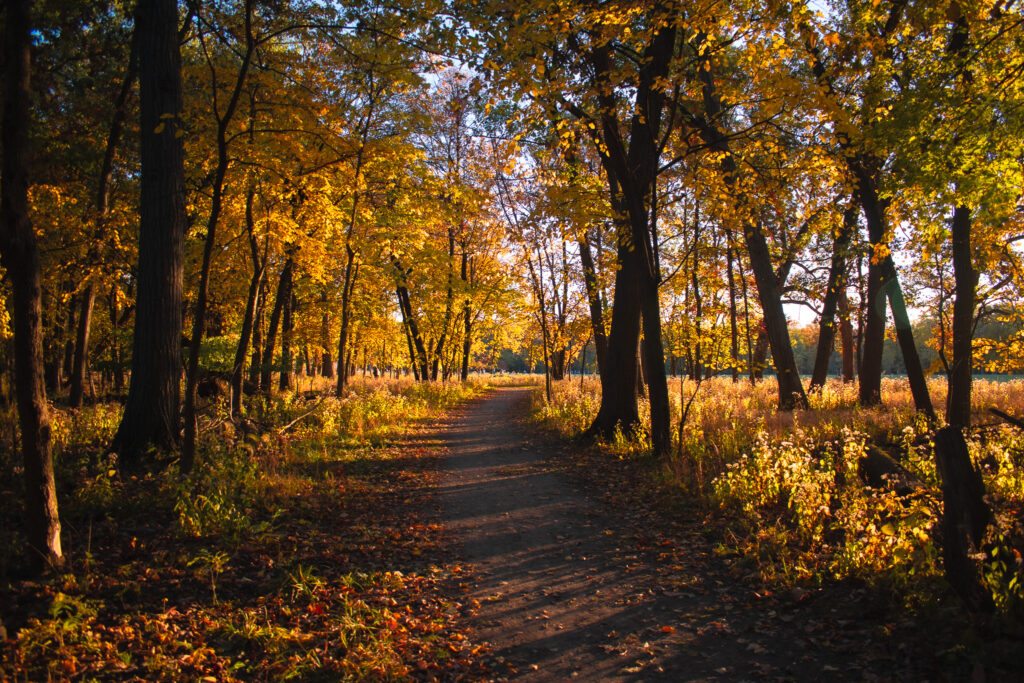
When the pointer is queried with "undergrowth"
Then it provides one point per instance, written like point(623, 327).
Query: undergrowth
point(300, 546)
point(790, 491)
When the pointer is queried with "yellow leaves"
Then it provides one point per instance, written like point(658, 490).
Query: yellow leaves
point(879, 252)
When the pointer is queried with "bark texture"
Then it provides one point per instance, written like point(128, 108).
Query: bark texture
point(20, 256)
point(151, 415)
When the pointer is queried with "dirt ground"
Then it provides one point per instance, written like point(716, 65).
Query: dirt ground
point(567, 589)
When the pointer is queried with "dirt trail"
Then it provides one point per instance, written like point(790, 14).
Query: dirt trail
point(565, 591)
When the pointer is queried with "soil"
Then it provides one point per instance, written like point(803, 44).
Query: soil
point(569, 587)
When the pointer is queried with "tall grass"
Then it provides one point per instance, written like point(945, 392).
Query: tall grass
point(790, 484)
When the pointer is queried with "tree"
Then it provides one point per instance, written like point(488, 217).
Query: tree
point(20, 254)
point(151, 412)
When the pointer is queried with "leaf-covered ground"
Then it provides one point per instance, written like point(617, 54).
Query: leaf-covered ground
point(337, 551)
point(341, 574)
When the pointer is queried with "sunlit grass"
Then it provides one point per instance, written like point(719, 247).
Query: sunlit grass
point(790, 483)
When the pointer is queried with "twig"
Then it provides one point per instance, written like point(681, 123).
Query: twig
point(1015, 421)
point(301, 417)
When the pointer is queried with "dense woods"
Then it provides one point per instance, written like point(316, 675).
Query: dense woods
point(241, 213)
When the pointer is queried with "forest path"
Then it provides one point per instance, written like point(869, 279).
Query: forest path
point(565, 589)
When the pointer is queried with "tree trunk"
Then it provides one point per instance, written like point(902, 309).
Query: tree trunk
point(252, 301)
point(467, 338)
point(285, 382)
point(846, 337)
point(791, 390)
point(734, 336)
point(283, 290)
point(618, 409)
point(872, 339)
point(326, 364)
point(958, 404)
point(78, 368)
point(420, 355)
point(20, 255)
point(151, 412)
point(248, 320)
point(256, 362)
point(836, 282)
point(965, 517)
point(633, 180)
point(188, 450)
point(595, 303)
point(81, 359)
point(351, 272)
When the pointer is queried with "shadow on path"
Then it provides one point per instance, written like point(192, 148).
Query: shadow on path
point(565, 591)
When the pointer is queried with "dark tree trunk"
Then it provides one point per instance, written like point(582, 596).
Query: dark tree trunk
point(836, 282)
point(78, 368)
point(248, 320)
point(619, 378)
point(408, 338)
point(888, 285)
point(256, 362)
point(965, 516)
point(188, 451)
point(595, 303)
point(20, 256)
point(633, 179)
point(846, 337)
point(81, 358)
point(351, 273)
point(287, 362)
point(151, 412)
point(252, 302)
point(467, 320)
point(872, 339)
point(734, 335)
point(420, 355)
point(326, 364)
point(283, 291)
point(958, 404)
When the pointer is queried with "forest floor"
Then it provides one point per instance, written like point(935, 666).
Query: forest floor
point(599, 588)
point(465, 547)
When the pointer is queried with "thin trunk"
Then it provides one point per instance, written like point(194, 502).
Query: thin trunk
point(872, 338)
point(887, 285)
point(251, 303)
point(20, 256)
point(188, 449)
point(846, 337)
point(78, 369)
point(734, 336)
point(256, 362)
point(408, 338)
point(420, 355)
point(81, 357)
point(467, 320)
point(283, 290)
point(836, 282)
point(791, 390)
point(287, 362)
point(326, 364)
point(958, 404)
point(151, 416)
point(351, 272)
point(594, 300)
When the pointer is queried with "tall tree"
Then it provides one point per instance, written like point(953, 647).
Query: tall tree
point(20, 254)
point(151, 413)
